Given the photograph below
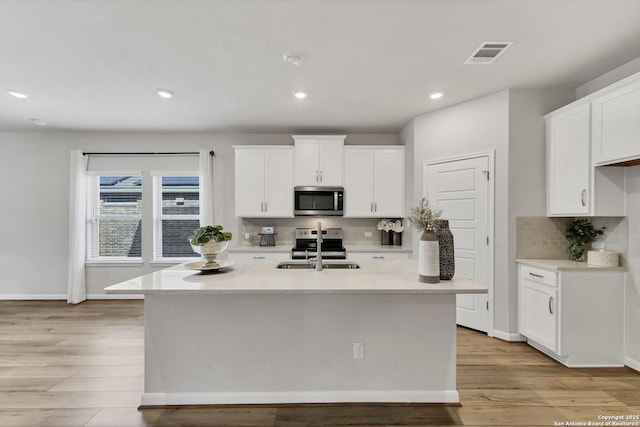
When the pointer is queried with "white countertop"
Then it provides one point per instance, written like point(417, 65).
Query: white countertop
point(374, 277)
point(565, 265)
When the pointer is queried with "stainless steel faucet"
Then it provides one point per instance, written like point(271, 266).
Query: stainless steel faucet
point(319, 248)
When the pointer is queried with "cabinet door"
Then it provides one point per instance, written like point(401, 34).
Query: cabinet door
point(249, 174)
point(388, 183)
point(278, 183)
point(307, 171)
point(358, 183)
point(616, 126)
point(568, 162)
point(330, 165)
point(538, 313)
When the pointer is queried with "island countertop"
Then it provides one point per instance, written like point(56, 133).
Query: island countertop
point(374, 277)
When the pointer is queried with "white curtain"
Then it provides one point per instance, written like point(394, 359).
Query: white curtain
point(206, 188)
point(76, 291)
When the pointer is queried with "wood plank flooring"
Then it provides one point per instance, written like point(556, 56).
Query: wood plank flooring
point(82, 365)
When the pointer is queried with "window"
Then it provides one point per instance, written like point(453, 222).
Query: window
point(176, 214)
point(115, 217)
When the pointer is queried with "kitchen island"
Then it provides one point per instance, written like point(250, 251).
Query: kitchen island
point(257, 334)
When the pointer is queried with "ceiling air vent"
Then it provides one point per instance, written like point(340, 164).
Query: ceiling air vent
point(487, 52)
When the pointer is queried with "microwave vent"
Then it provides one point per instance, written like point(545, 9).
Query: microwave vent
point(488, 52)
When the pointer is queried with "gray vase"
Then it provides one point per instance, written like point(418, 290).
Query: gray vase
point(447, 255)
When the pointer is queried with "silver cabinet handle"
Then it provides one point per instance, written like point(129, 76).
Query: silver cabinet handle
point(265, 206)
point(551, 305)
point(536, 275)
point(259, 257)
point(261, 206)
point(320, 176)
point(583, 197)
point(375, 206)
point(317, 176)
point(371, 207)
point(378, 257)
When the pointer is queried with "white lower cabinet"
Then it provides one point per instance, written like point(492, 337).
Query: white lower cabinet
point(574, 316)
point(364, 256)
point(258, 256)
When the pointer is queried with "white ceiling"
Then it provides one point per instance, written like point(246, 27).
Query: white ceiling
point(369, 65)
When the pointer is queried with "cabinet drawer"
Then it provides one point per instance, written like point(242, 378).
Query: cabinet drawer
point(539, 275)
point(361, 256)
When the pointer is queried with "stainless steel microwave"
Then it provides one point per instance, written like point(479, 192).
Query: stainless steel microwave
point(318, 201)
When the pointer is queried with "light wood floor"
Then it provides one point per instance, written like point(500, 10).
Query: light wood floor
point(82, 365)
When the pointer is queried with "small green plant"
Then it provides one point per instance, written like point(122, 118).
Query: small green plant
point(202, 235)
point(579, 234)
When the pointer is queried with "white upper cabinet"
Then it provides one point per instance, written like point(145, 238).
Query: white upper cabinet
point(568, 164)
point(374, 181)
point(616, 125)
point(318, 160)
point(264, 181)
point(575, 186)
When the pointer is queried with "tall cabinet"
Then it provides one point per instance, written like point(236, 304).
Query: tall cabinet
point(264, 181)
point(374, 181)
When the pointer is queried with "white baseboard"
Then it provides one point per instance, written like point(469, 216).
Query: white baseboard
point(632, 363)
point(508, 336)
point(34, 297)
point(115, 296)
point(359, 396)
point(26, 297)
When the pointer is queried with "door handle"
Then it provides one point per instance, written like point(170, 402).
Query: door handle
point(551, 305)
point(371, 207)
point(265, 206)
point(317, 176)
point(320, 176)
point(375, 206)
point(583, 197)
point(536, 275)
point(261, 206)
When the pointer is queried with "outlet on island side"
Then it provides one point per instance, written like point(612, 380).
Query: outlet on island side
point(368, 234)
point(358, 350)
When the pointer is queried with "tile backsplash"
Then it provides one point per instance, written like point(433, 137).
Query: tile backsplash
point(542, 237)
point(354, 228)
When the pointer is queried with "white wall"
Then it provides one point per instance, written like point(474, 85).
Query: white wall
point(511, 123)
point(34, 169)
point(609, 78)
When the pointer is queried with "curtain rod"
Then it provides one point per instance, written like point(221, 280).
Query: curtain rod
point(144, 153)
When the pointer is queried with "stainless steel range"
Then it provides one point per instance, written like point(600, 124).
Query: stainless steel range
point(306, 244)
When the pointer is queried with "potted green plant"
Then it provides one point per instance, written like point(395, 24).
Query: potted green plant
point(209, 241)
point(579, 234)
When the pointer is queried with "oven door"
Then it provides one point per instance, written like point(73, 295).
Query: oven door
point(318, 201)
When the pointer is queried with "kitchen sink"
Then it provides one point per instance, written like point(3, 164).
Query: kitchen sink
point(305, 265)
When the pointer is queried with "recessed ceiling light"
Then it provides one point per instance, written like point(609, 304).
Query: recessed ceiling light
point(300, 95)
point(164, 93)
point(17, 94)
point(293, 58)
point(436, 95)
point(38, 122)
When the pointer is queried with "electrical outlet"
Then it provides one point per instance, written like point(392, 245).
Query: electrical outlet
point(368, 234)
point(358, 350)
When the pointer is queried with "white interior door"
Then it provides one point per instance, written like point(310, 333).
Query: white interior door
point(461, 189)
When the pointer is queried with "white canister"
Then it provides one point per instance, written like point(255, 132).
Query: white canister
point(603, 258)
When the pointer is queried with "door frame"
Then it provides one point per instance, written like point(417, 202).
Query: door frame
point(491, 154)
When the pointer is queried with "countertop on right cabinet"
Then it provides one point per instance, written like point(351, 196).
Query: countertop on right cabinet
point(565, 264)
